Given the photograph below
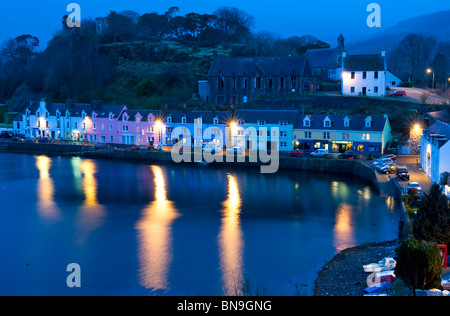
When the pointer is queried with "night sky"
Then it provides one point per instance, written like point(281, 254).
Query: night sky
point(325, 19)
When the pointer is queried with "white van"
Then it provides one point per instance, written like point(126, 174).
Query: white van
point(320, 153)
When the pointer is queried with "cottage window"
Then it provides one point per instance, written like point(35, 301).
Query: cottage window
point(262, 123)
point(169, 119)
point(138, 119)
point(258, 83)
point(183, 120)
point(353, 75)
point(216, 121)
point(111, 139)
point(245, 83)
point(125, 128)
point(375, 75)
point(110, 127)
point(94, 126)
point(221, 83)
point(364, 75)
point(352, 90)
point(307, 123)
point(327, 123)
point(375, 89)
point(110, 117)
point(270, 83)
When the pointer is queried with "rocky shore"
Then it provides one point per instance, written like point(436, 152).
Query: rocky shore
point(344, 274)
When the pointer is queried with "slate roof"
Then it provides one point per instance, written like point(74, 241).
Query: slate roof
point(322, 58)
point(364, 62)
point(229, 67)
point(441, 132)
point(443, 116)
point(270, 116)
point(357, 122)
point(104, 110)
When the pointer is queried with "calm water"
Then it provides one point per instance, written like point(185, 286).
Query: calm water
point(140, 229)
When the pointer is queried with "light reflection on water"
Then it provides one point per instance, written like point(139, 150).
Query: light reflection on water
point(46, 205)
point(231, 242)
point(155, 236)
point(329, 216)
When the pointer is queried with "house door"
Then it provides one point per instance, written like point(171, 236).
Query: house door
point(364, 90)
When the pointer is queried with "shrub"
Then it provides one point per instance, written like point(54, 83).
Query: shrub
point(419, 264)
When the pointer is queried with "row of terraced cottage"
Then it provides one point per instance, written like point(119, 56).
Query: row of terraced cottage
point(249, 129)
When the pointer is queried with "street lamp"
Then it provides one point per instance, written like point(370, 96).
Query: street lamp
point(429, 71)
point(446, 89)
point(159, 125)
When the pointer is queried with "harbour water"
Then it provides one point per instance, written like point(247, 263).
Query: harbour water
point(173, 229)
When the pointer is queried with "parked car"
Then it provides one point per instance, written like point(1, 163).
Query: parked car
point(389, 168)
point(6, 135)
point(398, 93)
point(381, 162)
point(234, 150)
point(414, 185)
point(390, 156)
point(29, 140)
point(18, 138)
point(320, 153)
point(296, 153)
point(445, 281)
point(212, 148)
point(44, 140)
point(402, 173)
point(347, 155)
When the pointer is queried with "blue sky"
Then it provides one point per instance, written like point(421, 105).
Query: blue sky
point(325, 19)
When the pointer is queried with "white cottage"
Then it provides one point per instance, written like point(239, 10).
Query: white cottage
point(435, 151)
point(364, 75)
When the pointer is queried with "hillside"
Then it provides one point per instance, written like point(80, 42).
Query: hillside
point(435, 24)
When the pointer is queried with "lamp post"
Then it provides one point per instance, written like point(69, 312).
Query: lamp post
point(446, 89)
point(429, 71)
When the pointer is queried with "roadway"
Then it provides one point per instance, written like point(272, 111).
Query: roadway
point(415, 94)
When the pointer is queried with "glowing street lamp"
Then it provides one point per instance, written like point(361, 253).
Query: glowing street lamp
point(429, 71)
point(159, 126)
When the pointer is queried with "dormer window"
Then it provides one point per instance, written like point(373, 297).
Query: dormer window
point(216, 121)
point(283, 123)
point(111, 116)
point(58, 115)
point(346, 122)
point(183, 120)
point(138, 119)
point(327, 122)
point(368, 122)
point(307, 122)
point(261, 123)
point(94, 116)
point(125, 118)
point(38, 114)
point(169, 119)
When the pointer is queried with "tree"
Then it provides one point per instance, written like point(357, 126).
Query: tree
point(432, 223)
point(234, 23)
point(419, 264)
point(413, 55)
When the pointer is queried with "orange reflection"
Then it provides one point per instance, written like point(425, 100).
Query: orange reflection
point(92, 213)
point(343, 229)
point(46, 190)
point(231, 242)
point(154, 228)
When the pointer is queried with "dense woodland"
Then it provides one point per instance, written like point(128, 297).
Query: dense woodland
point(153, 60)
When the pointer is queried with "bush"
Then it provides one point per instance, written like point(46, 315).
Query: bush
point(419, 264)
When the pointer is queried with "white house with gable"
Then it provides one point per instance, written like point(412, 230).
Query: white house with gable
point(364, 75)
